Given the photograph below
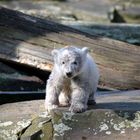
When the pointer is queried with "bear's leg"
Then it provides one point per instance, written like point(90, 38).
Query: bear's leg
point(79, 100)
point(63, 99)
point(91, 100)
point(51, 100)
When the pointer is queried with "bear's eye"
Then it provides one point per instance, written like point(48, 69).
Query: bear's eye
point(63, 62)
point(75, 63)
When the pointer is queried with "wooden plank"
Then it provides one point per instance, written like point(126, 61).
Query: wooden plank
point(29, 40)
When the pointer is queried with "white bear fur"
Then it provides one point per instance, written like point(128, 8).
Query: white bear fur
point(77, 89)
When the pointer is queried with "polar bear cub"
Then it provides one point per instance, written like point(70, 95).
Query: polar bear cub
point(73, 80)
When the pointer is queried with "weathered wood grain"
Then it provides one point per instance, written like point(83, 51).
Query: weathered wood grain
point(29, 40)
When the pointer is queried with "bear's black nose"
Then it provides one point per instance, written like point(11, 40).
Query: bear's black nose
point(69, 74)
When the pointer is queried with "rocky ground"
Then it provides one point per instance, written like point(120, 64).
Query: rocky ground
point(115, 116)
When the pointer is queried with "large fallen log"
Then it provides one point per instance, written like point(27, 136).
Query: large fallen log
point(29, 40)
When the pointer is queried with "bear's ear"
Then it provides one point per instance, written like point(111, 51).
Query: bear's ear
point(85, 50)
point(54, 52)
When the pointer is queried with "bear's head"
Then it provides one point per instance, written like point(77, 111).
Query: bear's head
point(70, 60)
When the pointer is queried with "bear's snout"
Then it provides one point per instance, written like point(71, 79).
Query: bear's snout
point(69, 74)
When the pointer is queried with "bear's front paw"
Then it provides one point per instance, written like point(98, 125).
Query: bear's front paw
point(49, 108)
point(78, 108)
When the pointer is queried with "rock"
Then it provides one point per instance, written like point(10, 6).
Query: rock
point(116, 116)
point(16, 117)
point(41, 128)
point(97, 124)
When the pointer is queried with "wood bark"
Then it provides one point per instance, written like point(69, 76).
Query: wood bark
point(29, 40)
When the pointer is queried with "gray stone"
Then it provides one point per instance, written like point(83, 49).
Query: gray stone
point(115, 116)
point(16, 117)
point(97, 124)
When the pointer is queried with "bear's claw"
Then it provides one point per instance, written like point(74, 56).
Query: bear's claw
point(49, 108)
point(78, 108)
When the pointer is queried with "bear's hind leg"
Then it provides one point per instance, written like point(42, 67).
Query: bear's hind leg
point(63, 99)
point(91, 100)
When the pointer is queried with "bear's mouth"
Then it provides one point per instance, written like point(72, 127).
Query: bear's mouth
point(70, 76)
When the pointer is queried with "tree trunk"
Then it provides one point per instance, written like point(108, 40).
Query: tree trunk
point(29, 40)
